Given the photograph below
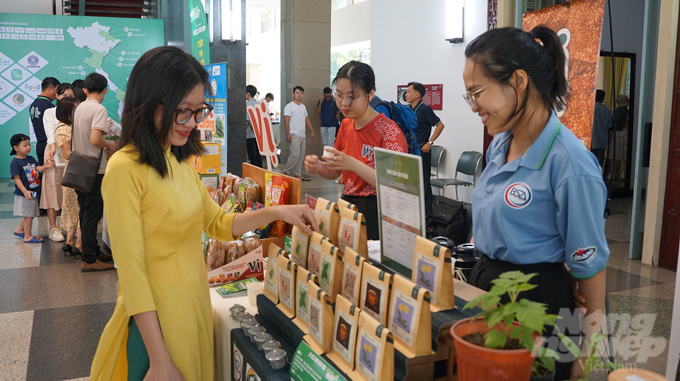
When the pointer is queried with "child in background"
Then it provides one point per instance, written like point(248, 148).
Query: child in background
point(24, 170)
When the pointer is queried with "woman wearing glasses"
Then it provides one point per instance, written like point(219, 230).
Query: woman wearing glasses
point(361, 130)
point(539, 203)
point(156, 207)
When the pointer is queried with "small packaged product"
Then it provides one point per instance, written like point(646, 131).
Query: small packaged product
point(231, 204)
point(302, 298)
point(432, 271)
point(251, 242)
point(271, 279)
point(314, 254)
point(375, 351)
point(320, 317)
point(215, 254)
point(352, 268)
point(342, 204)
point(279, 195)
point(352, 232)
point(330, 278)
point(264, 229)
point(375, 292)
point(235, 250)
point(287, 271)
point(327, 217)
point(299, 246)
point(345, 329)
point(410, 309)
point(248, 191)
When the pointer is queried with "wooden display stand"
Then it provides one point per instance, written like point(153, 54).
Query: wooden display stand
point(294, 197)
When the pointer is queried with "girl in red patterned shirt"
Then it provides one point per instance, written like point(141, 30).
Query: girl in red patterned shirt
point(361, 130)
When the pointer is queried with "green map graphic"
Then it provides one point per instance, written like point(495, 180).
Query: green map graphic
point(33, 47)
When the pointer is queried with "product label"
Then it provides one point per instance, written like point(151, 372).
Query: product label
point(299, 253)
point(316, 319)
point(323, 221)
point(428, 274)
point(350, 283)
point(344, 336)
point(302, 301)
point(369, 354)
point(327, 271)
point(374, 296)
point(308, 366)
point(271, 280)
point(286, 289)
point(349, 235)
point(314, 258)
point(404, 312)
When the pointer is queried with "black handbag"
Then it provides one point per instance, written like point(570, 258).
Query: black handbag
point(81, 171)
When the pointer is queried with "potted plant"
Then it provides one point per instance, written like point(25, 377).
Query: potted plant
point(504, 344)
point(591, 358)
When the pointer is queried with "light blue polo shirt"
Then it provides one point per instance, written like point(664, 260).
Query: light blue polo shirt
point(547, 206)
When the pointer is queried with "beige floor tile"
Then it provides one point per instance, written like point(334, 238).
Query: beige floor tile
point(15, 341)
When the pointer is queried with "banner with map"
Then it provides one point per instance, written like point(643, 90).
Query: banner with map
point(33, 47)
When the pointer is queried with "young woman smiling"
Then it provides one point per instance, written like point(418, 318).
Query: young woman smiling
point(361, 130)
point(539, 204)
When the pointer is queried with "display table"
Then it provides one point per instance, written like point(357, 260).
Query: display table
point(223, 324)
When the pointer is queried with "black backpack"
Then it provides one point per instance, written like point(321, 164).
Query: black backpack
point(448, 219)
point(407, 121)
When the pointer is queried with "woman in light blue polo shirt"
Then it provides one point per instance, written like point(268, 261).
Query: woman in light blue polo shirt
point(539, 204)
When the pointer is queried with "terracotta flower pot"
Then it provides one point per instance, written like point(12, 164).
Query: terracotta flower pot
point(476, 363)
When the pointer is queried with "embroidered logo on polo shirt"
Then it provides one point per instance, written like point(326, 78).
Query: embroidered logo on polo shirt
point(584, 255)
point(518, 195)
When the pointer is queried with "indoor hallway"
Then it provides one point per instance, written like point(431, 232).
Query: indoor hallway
point(51, 314)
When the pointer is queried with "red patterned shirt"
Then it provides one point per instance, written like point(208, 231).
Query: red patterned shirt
point(380, 132)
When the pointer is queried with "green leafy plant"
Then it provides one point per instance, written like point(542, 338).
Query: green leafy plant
point(591, 361)
point(531, 316)
point(324, 273)
point(303, 299)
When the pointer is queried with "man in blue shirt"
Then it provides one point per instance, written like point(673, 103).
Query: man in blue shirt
point(602, 123)
point(426, 120)
point(251, 142)
point(328, 109)
point(37, 110)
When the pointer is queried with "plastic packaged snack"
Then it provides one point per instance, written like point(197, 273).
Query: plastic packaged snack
point(215, 254)
point(231, 204)
point(251, 243)
point(279, 196)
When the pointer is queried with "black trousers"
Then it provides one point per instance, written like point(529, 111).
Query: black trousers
point(91, 211)
point(554, 290)
point(253, 152)
point(368, 206)
point(40, 152)
point(427, 188)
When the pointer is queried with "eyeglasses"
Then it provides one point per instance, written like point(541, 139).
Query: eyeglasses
point(183, 115)
point(339, 98)
point(471, 98)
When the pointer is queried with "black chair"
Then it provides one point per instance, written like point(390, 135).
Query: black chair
point(468, 163)
point(437, 153)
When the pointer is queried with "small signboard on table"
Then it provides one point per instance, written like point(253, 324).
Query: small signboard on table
point(401, 207)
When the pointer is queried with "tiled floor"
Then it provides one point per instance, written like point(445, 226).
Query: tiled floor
point(51, 314)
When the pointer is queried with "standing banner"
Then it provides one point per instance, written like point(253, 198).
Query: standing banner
point(214, 128)
point(259, 119)
point(200, 41)
point(33, 47)
point(578, 23)
point(401, 207)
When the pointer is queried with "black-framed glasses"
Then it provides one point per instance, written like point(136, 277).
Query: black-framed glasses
point(183, 115)
point(339, 98)
point(471, 98)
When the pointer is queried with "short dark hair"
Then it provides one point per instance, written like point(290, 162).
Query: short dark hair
point(252, 90)
point(174, 74)
point(269, 95)
point(419, 87)
point(65, 108)
point(327, 90)
point(63, 87)
point(599, 96)
point(298, 88)
point(360, 75)
point(49, 82)
point(78, 90)
point(95, 83)
point(501, 52)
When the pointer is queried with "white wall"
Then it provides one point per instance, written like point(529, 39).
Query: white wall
point(351, 24)
point(407, 44)
point(37, 7)
point(263, 57)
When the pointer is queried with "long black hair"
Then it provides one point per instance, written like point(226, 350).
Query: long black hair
point(166, 75)
point(360, 75)
point(501, 52)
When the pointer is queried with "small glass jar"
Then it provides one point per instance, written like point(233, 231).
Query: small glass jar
point(262, 338)
point(270, 346)
point(277, 358)
point(236, 310)
point(248, 324)
point(254, 331)
point(245, 316)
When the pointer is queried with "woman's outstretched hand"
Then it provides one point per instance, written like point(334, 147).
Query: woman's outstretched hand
point(298, 215)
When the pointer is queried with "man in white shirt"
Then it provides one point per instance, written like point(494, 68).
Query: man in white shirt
point(296, 118)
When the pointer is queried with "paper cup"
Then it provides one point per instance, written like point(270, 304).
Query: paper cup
point(328, 155)
point(254, 289)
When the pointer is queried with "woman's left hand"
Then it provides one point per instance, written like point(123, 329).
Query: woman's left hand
point(341, 161)
point(300, 216)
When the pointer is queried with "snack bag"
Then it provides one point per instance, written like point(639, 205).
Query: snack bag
point(231, 204)
point(215, 254)
point(409, 310)
point(264, 229)
point(344, 334)
point(251, 243)
point(279, 196)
